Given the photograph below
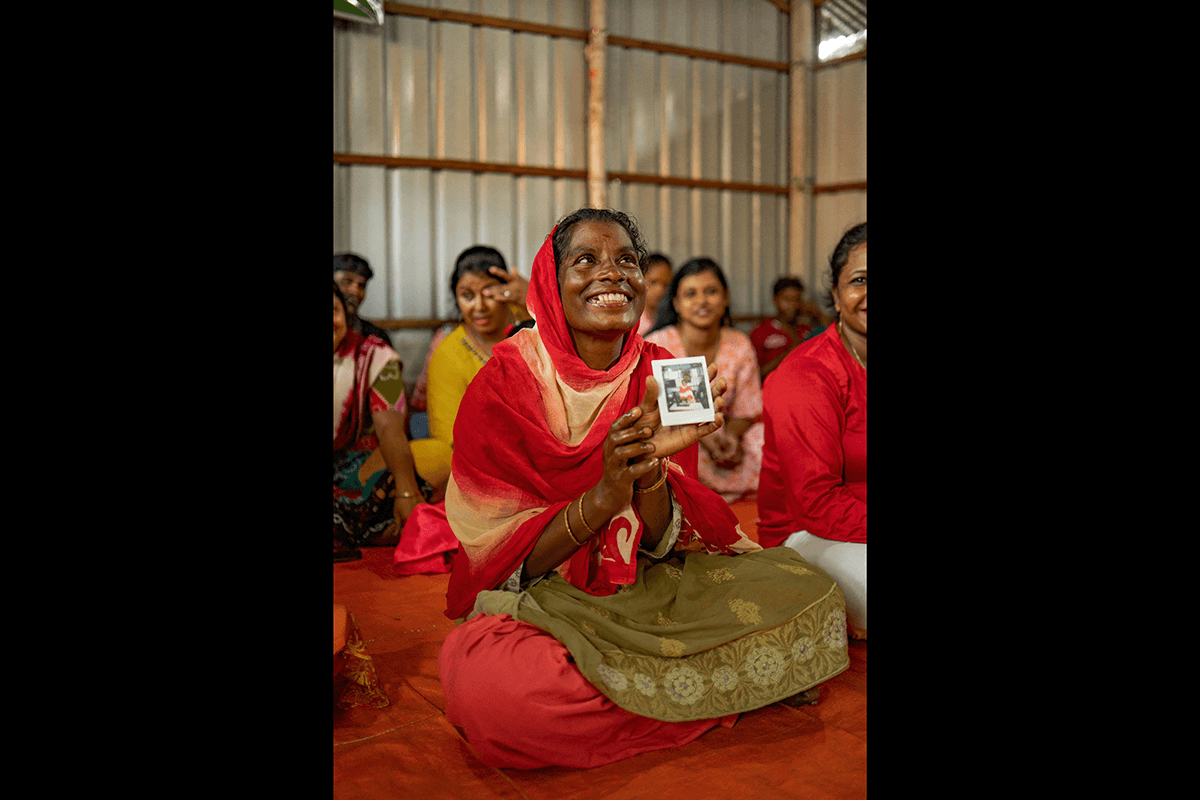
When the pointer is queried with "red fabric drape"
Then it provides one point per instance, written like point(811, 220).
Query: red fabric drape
point(511, 468)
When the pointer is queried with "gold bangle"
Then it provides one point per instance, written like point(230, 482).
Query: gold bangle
point(567, 519)
point(661, 480)
point(582, 517)
point(406, 494)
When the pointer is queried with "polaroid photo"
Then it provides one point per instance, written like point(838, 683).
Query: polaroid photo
point(683, 393)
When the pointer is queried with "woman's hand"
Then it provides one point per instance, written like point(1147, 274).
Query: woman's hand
point(627, 457)
point(402, 509)
point(513, 288)
point(724, 449)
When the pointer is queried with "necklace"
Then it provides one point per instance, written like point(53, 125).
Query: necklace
point(466, 340)
point(846, 339)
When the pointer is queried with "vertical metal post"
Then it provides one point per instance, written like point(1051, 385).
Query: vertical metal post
point(802, 55)
point(596, 46)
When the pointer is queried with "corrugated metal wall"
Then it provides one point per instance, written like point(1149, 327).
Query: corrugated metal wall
point(695, 118)
point(438, 89)
point(840, 157)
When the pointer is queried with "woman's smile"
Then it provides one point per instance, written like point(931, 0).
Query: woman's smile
point(618, 300)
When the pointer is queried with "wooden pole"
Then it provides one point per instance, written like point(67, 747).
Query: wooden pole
point(595, 50)
point(800, 192)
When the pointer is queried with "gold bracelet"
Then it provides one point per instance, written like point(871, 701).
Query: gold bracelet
point(567, 519)
point(582, 517)
point(662, 479)
point(406, 494)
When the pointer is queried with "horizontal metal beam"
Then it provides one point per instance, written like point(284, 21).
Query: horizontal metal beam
point(551, 172)
point(519, 26)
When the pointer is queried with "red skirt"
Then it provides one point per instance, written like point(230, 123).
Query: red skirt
point(514, 691)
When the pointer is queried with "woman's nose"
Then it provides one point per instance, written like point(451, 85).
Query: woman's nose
point(609, 269)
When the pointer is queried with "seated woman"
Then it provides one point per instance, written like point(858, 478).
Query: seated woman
point(813, 493)
point(608, 602)
point(378, 478)
point(487, 317)
point(694, 320)
point(507, 287)
point(479, 283)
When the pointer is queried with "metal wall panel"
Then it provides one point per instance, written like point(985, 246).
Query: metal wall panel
point(840, 157)
point(420, 88)
point(835, 214)
point(841, 123)
point(675, 116)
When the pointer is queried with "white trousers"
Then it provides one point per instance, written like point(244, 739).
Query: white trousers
point(846, 563)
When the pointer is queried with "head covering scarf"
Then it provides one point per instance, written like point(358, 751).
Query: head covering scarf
point(529, 439)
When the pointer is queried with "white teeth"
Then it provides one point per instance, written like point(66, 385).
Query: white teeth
point(607, 298)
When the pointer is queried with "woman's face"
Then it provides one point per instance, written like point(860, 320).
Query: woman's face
point(701, 300)
point(657, 279)
point(850, 298)
point(486, 316)
point(601, 285)
point(339, 322)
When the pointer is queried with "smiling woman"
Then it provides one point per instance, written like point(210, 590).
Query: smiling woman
point(580, 520)
point(694, 320)
point(814, 474)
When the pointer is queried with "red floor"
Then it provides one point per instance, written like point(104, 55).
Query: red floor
point(408, 747)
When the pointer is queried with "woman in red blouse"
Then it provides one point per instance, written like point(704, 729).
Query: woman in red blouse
point(812, 493)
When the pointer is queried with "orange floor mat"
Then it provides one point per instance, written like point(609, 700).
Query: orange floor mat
point(408, 747)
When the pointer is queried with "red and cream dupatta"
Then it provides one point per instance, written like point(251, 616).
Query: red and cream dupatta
point(528, 440)
point(357, 362)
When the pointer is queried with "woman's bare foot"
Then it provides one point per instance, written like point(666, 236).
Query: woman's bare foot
point(805, 698)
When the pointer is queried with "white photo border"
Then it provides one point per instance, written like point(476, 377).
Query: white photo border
point(667, 371)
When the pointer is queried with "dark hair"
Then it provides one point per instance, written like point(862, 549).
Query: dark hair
point(786, 282)
point(348, 262)
point(841, 254)
point(657, 258)
point(477, 259)
point(338, 294)
point(667, 315)
point(562, 236)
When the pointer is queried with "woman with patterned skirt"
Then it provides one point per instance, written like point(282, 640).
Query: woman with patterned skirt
point(608, 602)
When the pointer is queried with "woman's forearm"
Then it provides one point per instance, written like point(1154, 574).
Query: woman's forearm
point(654, 507)
point(394, 447)
point(586, 516)
point(556, 545)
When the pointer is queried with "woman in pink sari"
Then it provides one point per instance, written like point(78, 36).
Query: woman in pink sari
point(694, 320)
point(608, 602)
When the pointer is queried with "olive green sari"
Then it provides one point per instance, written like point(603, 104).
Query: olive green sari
point(696, 636)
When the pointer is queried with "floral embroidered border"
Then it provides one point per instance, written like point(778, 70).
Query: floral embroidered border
point(748, 673)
